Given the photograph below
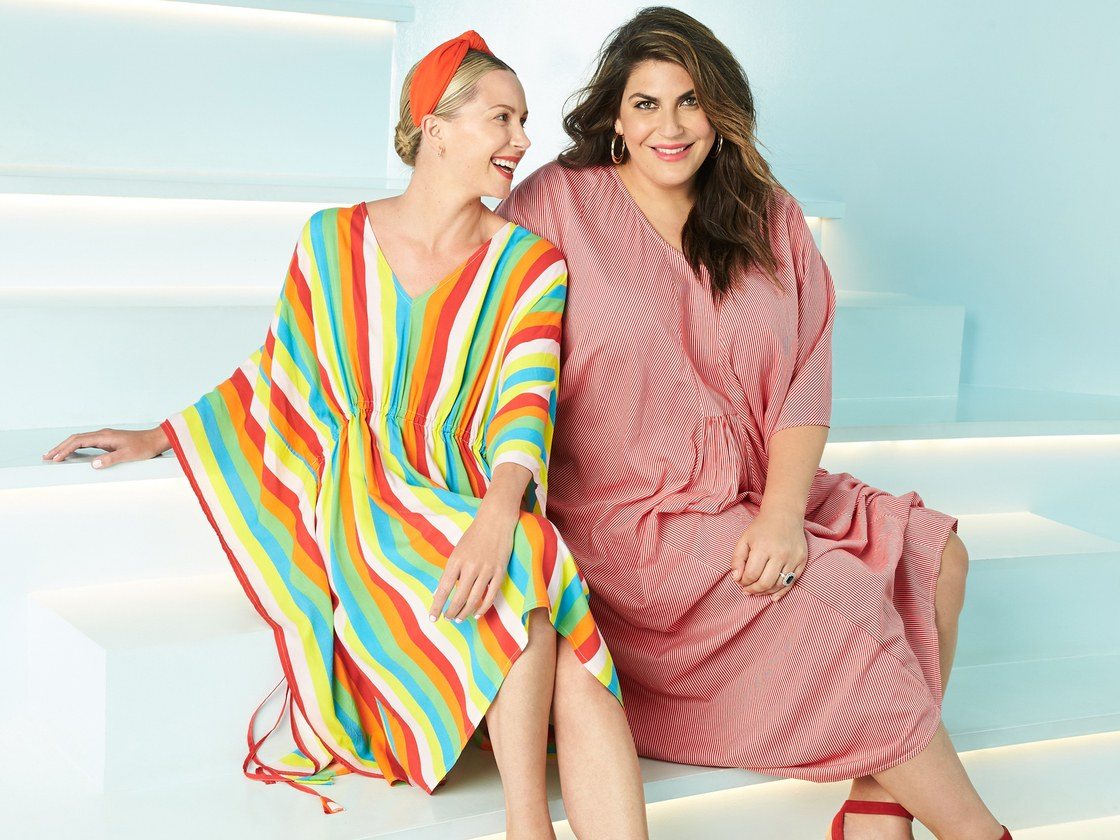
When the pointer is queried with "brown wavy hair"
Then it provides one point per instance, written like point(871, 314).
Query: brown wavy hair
point(728, 229)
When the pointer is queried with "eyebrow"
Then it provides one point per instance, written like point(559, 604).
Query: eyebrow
point(684, 95)
point(510, 107)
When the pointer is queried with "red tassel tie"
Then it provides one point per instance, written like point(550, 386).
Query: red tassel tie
point(270, 775)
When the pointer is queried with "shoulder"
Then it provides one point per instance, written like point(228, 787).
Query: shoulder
point(789, 231)
point(326, 219)
point(553, 183)
point(532, 251)
point(785, 207)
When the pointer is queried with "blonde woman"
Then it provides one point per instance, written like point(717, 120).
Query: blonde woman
point(377, 474)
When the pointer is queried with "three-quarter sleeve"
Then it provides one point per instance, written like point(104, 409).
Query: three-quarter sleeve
point(520, 427)
point(808, 400)
point(251, 445)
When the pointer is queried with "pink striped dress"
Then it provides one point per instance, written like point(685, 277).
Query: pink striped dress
point(667, 402)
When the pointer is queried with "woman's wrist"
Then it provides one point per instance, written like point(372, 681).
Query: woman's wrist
point(501, 511)
point(159, 441)
point(782, 509)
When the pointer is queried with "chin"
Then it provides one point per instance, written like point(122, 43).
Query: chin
point(498, 192)
point(675, 177)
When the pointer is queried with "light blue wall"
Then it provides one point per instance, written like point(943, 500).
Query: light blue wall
point(972, 142)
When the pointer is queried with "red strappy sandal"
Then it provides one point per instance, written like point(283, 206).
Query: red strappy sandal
point(866, 806)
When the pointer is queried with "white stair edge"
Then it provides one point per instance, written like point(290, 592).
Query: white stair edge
point(992, 536)
point(1030, 787)
point(151, 296)
point(973, 430)
point(400, 11)
point(182, 184)
point(857, 298)
point(21, 465)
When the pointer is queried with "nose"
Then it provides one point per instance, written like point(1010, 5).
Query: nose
point(521, 139)
point(670, 124)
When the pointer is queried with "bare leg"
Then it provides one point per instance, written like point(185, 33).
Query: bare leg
point(934, 787)
point(599, 776)
point(517, 722)
point(948, 602)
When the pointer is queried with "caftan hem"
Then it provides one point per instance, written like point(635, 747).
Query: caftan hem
point(293, 778)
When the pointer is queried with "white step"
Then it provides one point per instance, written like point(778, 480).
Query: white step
point(149, 679)
point(146, 651)
point(1107, 828)
point(84, 534)
point(123, 251)
point(987, 412)
point(1068, 478)
point(22, 465)
point(1019, 702)
point(1033, 787)
point(1069, 446)
point(147, 280)
point(1022, 598)
point(146, 358)
point(255, 104)
point(1044, 791)
point(896, 358)
point(118, 363)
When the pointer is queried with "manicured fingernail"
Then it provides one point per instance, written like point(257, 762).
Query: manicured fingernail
point(96, 463)
point(431, 617)
point(478, 615)
point(458, 621)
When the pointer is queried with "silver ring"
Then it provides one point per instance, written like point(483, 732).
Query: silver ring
point(786, 578)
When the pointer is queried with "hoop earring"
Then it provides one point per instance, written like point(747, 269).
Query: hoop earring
point(719, 144)
point(618, 157)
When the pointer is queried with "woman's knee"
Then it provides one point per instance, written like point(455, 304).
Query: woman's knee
point(952, 576)
point(572, 679)
point(540, 627)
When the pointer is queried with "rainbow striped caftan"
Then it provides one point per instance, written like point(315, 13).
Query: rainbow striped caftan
point(341, 463)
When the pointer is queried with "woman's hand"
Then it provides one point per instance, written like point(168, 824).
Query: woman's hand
point(120, 445)
point(773, 543)
point(477, 565)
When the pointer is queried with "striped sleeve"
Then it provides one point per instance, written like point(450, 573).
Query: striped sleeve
point(808, 400)
point(251, 450)
point(520, 429)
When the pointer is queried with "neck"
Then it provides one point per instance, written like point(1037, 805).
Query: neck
point(436, 213)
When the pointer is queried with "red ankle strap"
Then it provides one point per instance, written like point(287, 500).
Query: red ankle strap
point(866, 806)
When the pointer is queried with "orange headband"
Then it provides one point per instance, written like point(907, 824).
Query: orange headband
point(435, 71)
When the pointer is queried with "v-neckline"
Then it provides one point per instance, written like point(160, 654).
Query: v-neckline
point(456, 272)
point(628, 197)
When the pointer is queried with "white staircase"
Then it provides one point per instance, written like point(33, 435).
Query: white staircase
point(140, 266)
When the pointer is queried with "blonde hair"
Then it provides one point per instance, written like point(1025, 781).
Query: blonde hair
point(462, 89)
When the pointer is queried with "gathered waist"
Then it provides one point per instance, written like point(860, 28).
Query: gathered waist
point(369, 412)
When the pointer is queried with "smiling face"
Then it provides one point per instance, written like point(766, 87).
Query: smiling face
point(486, 139)
point(666, 132)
